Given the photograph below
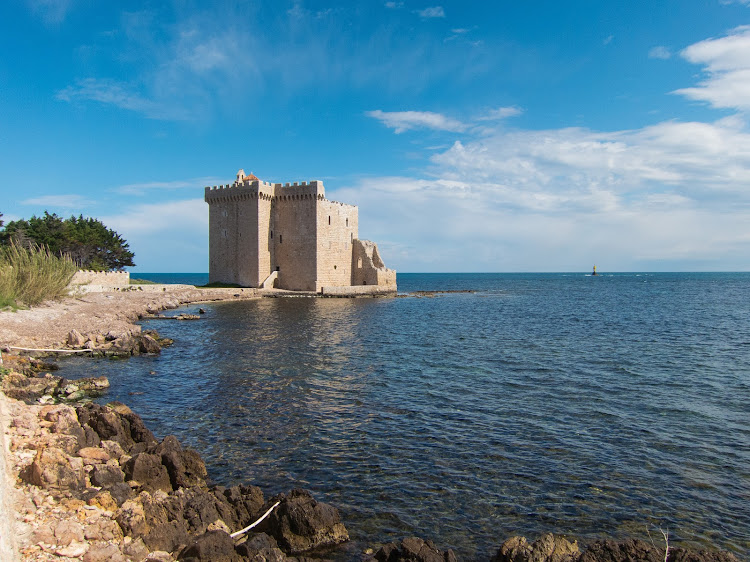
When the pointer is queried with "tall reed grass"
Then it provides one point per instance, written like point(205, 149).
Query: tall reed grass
point(29, 276)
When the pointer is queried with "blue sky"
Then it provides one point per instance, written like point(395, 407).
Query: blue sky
point(474, 136)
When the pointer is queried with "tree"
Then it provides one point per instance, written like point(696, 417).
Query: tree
point(86, 240)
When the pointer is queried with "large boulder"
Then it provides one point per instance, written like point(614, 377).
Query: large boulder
point(413, 549)
point(300, 523)
point(212, 546)
point(634, 550)
point(246, 501)
point(127, 428)
point(54, 470)
point(148, 471)
point(261, 547)
point(548, 548)
point(185, 466)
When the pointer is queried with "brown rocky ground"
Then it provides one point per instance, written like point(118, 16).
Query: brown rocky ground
point(48, 325)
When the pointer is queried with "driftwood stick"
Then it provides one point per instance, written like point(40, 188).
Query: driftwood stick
point(48, 350)
point(246, 529)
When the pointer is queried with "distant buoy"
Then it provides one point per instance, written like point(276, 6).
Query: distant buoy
point(594, 272)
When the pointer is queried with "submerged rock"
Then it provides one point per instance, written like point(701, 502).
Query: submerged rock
point(300, 523)
point(413, 549)
point(548, 548)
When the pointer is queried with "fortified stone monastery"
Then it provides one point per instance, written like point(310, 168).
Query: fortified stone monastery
point(290, 237)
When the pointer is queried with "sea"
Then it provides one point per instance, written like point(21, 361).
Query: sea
point(615, 405)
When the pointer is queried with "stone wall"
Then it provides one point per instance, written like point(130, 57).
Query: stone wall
point(102, 280)
point(368, 268)
point(338, 227)
point(294, 242)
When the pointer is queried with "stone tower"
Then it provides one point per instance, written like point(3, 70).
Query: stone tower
point(290, 237)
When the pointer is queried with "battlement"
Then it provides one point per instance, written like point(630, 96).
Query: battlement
point(247, 189)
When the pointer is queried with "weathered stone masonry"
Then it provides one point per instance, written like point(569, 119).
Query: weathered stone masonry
point(289, 236)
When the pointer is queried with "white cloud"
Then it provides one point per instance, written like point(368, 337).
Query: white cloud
point(607, 40)
point(394, 5)
point(672, 195)
point(402, 121)
point(110, 92)
point(727, 64)
point(52, 12)
point(659, 52)
point(170, 236)
point(501, 113)
point(71, 201)
point(432, 12)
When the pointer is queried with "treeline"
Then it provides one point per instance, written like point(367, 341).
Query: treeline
point(86, 241)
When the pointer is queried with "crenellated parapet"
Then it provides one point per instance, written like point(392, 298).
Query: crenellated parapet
point(245, 189)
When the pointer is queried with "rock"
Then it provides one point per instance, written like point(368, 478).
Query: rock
point(73, 550)
point(132, 519)
point(636, 550)
point(413, 550)
point(127, 429)
point(246, 501)
point(203, 508)
point(113, 448)
point(261, 547)
point(149, 472)
point(212, 546)
point(120, 492)
point(102, 529)
point(104, 553)
point(105, 475)
point(300, 523)
point(76, 339)
point(67, 532)
point(135, 550)
point(185, 467)
point(147, 344)
point(53, 469)
point(43, 534)
point(93, 455)
point(104, 500)
point(165, 526)
point(159, 556)
point(682, 555)
point(548, 548)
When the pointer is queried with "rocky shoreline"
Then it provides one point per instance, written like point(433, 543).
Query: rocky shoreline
point(91, 482)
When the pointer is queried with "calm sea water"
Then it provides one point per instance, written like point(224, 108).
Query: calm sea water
point(594, 406)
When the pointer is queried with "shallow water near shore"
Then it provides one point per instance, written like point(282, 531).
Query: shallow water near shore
point(593, 406)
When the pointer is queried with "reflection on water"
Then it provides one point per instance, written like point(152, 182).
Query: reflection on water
point(592, 407)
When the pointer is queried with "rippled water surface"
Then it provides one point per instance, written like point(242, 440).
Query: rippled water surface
point(592, 406)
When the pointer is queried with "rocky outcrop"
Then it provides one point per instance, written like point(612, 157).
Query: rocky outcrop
point(551, 548)
point(548, 548)
point(120, 494)
point(300, 523)
point(413, 549)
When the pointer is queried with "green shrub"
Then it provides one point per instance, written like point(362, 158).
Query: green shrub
point(30, 276)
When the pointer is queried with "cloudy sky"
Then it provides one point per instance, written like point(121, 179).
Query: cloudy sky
point(474, 136)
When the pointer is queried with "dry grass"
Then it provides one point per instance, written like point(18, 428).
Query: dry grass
point(31, 276)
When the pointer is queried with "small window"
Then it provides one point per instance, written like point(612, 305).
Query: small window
point(279, 238)
point(329, 219)
point(347, 222)
point(272, 235)
point(278, 268)
point(359, 263)
point(334, 267)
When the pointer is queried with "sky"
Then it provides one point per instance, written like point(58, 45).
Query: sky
point(474, 136)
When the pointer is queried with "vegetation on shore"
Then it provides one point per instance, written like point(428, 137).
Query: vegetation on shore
point(219, 285)
point(87, 241)
point(30, 275)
